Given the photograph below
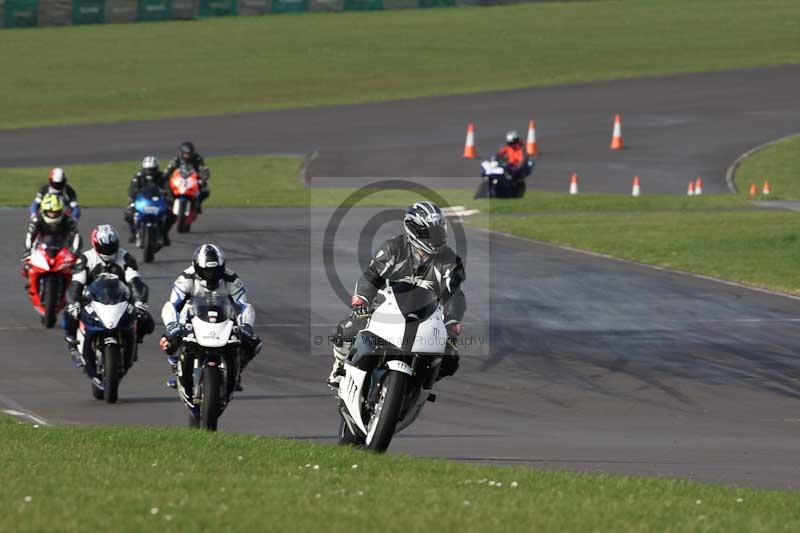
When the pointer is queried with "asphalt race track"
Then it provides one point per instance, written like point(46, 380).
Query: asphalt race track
point(676, 127)
point(578, 362)
point(593, 364)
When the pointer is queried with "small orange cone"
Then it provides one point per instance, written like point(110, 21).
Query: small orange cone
point(530, 146)
point(637, 187)
point(469, 145)
point(690, 190)
point(766, 190)
point(573, 184)
point(698, 186)
point(753, 190)
point(616, 136)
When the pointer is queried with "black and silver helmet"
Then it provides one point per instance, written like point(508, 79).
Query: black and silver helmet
point(426, 227)
point(209, 265)
point(512, 137)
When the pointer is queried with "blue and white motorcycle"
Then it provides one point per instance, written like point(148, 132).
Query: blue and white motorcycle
point(107, 334)
point(149, 219)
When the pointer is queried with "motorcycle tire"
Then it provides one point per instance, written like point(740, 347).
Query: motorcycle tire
point(50, 299)
point(182, 221)
point(387, 412)
point(210, 403)
point(111, 374)
point(347, 437)
point(148, 245)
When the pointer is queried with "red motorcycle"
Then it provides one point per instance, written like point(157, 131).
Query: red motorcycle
point(185, 186)
point(49, 272)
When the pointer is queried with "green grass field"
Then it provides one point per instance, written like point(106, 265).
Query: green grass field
point(140, 71)
point(779, 164)
point(145, 479)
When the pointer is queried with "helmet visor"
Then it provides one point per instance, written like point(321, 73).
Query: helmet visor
point(435, 236)
point(212, 275)
point(107, 249)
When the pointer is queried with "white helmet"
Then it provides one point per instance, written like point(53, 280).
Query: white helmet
point(150, 163)
point(209, 265)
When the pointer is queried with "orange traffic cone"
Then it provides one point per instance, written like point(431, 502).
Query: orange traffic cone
point(753, 190)
point(530, 146)
point(637, 188)
point(766, 189)
point(573, 184)
point(690, 190)
point(698, 186)
point(616, 136)
point(469, 145)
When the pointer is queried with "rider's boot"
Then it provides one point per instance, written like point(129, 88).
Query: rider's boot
point(72, 346)
point(172, 380)
point(339, 357)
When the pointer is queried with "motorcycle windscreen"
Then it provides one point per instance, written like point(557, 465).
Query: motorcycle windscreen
point(398, 318)
point(213, 317)
point(52, 244)
point(414, 302)
point(110, 314)
point(150, 201)
point(107, 289)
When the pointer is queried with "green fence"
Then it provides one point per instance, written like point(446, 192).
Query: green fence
point(88, 11)
point(216, 8)
point(28, 13)
point(20, 13)
point(155, 10)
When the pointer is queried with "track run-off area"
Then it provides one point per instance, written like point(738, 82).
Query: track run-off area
point(579, 361)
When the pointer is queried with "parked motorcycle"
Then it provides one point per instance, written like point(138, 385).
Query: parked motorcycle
point(394, 362)
point(107, 334)
point(49, 272)
point(185, 186)
point(209, 362)
point(149, 219)
point(497, 182)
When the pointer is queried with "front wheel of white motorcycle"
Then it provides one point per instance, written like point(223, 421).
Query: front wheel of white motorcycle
point(383, 421)
point(347, 437)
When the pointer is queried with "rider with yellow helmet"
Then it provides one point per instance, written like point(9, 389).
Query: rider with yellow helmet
point(51, 220)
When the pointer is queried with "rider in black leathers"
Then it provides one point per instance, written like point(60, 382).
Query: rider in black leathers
point(149, 174)
point(419, 256)
point(188, 157)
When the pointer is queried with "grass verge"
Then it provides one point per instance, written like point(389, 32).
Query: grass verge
point(779, 164)
point(144, 479)
point(140, 71)
point(755, 247)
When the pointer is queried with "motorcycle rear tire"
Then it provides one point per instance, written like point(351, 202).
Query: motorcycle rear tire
point(111, 374)
point(388, 408)
point(182, 221)
point(210, 404)
point(148, 244)
point(347, 437)
point(50, 299)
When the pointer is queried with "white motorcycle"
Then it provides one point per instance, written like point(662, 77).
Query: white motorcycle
point(393, 363)
point(209, 364)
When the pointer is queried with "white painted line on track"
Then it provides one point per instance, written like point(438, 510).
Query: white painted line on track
point(730, 174)
point(637, 263)
point(15, 409)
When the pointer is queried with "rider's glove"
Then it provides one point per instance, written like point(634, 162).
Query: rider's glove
point(74, 310)
point(173, 331)
point(360, 307)
point(167, 345)
point(246, 330)
point(142, 308)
